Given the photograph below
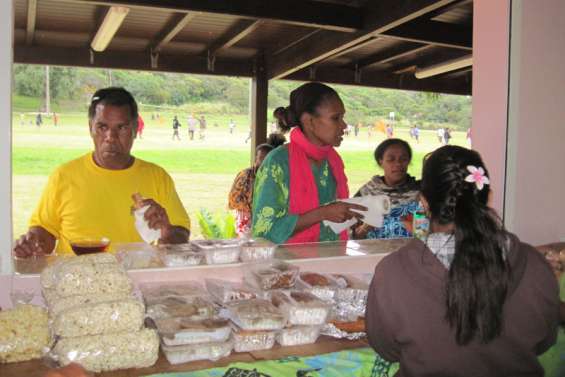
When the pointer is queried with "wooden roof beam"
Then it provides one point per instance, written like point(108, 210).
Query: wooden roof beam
point(236, 33)
point(383, 16)
point(174, 27)
point(80, 57)
point(434, 32)
point(316, 14)
point(385, 80)
point(31, 17)
point(389, 55)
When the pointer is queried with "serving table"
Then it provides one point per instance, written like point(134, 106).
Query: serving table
point(327, 257)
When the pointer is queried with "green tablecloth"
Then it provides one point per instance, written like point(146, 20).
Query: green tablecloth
point(362, 362)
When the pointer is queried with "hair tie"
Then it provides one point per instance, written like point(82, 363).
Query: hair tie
point(477, 176)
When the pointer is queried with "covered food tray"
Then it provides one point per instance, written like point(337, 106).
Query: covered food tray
point(181, 331)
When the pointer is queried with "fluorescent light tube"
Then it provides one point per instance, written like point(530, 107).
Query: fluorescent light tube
point(447, 66)
point(112, 22)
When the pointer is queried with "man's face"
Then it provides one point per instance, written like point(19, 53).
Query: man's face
point(112, 131)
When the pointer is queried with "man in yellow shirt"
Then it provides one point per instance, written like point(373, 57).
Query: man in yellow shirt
point(91, 195)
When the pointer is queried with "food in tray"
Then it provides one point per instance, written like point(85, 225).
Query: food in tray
point(353, 290)
point(252, 340)
point(23, 333)
point(277, 275)
point(257, 250)
point(219, 251)
point(180, 331)
point(174, 306)
point(182, 258)
point(301, 308)
point(139, 259)
point(227, 291)
point(192, 352)
point(314, 279)
point(157, 290)
point(99, 318)
point(297, 335)
point(108, 352)
point(351, 327)
point(256, 314)
point(215, 244)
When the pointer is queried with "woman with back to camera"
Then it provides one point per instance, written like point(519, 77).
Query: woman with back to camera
point(241, 194)
point(393, 156)
point(297, 185)
point(472, 300)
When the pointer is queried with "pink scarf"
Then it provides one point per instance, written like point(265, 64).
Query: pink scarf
point(303, 189)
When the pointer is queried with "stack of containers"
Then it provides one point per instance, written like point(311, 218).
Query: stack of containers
point(305, 314)
point(94, 317)
point(187, 322)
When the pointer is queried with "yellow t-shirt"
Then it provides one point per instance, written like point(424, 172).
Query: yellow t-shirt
point(84, 200)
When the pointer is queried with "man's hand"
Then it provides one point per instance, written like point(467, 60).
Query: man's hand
point(360, 231)
point(36, 242)
point(157, 218)
point(339, 212)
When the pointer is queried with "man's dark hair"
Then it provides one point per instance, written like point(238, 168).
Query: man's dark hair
point(113, 96)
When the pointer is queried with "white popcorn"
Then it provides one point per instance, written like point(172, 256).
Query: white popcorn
point(92, 279)
point(23, 333)
point(99, 353)
point(57, 304)
point(100, 318)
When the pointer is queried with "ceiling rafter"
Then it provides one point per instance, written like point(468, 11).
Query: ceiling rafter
point(236, 33)
point(434, 32)
point(31, 17)
point(383, 16)
point(389, 55)
point(175, 26)
point(316, 14)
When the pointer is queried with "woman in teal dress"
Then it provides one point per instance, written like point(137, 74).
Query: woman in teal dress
point(298, 184)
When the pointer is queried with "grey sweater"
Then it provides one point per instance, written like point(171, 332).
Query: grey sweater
point(406, 311)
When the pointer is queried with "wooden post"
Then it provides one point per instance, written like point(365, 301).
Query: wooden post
point(258, 105)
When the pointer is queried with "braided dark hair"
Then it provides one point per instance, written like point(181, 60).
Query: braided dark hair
point(479, 275)
point(304, 99)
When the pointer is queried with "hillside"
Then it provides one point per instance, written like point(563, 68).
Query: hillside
point(71, 89)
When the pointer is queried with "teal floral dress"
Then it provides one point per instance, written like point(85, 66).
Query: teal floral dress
point(271, 219)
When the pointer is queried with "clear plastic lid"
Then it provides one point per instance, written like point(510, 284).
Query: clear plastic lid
point(179, 331)
point(275, 275)
point(157, 290)
point(175, 306)
point(181, 258)
point(251, 340)
point(323, 286)
point(204, 245)
point(256, 314)
point(225, 291)
point(203, 351)
point(301, 308)
point(257, 249)
point(297, 335)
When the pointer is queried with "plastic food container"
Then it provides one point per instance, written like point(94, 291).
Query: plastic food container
point(180, 255)
point(24, 333)
point(259, 249)
point(226, 291)
point(301, 308)
point(140, 259)
point(247, 341)
point(275, 275)
point(195, 308)
point(321, 285)
point(219, 251)
point(296, 335)
point(192, 352)
point(256, 314)
point(181, 331)
point(155, 291)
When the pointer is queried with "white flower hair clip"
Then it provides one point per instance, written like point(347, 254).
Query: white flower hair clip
point(477, 176)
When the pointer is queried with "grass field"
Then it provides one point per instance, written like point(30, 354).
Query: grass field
point(203, 170)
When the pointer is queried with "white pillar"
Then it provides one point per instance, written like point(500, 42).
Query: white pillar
point(491, 32)
point(535, 204)
point(6, 56)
